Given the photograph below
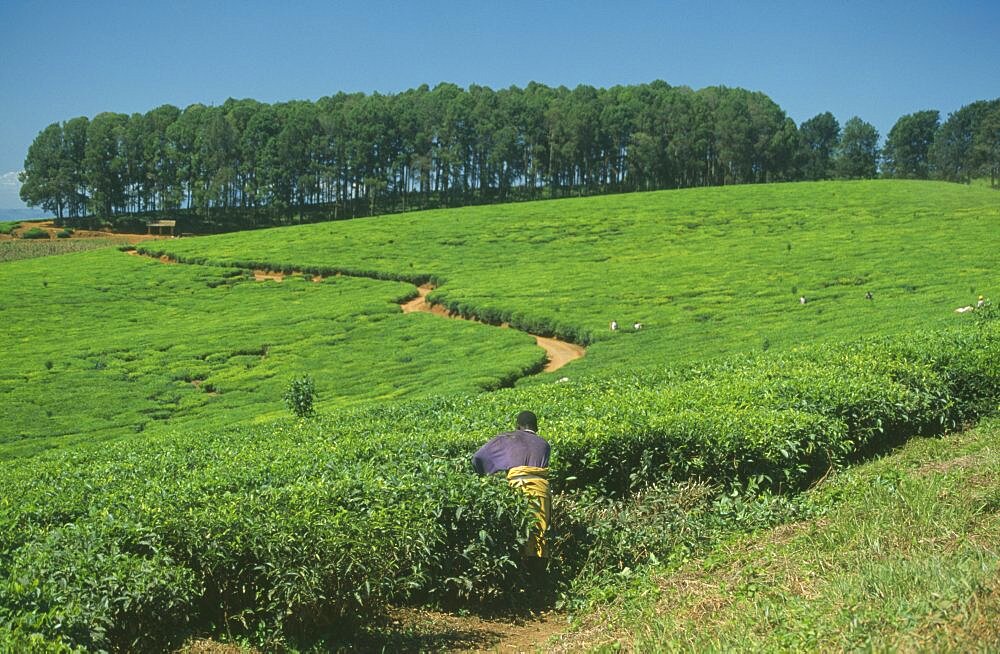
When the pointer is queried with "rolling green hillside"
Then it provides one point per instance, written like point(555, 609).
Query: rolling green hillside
point(101, 344)
point(706, 271)
point(219, 518)
point(289, 531)
point(135, 344)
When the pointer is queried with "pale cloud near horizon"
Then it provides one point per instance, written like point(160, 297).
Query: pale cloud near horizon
point(10, 188)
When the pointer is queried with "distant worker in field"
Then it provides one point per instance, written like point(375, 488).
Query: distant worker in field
point(637, 326)
point(980, 302)
point(802, 299)
point(614, 325)
point(524, 456)
point(869, 296)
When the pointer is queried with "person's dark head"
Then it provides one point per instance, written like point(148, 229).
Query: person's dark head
point(527, 420)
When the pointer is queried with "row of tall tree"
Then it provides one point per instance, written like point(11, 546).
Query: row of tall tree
point(248, 163)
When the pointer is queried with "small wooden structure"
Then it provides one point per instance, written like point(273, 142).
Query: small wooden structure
point(160, 224)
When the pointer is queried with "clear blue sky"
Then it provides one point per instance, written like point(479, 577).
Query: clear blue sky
point(877, 60)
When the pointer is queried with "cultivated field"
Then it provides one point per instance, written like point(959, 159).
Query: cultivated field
point(17, 250)
point(216, 517)
point(108, 344)
point(294, 531)
point(706, 271)
point(41, 238)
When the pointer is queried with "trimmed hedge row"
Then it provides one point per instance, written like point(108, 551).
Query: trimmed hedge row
point(240, 545)
point(288, 269)
point(486, 314)
point(296, 528)
point(537, 325)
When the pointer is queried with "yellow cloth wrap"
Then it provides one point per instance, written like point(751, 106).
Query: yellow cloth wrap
point(535, 484)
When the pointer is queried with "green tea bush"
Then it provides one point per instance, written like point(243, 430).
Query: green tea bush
point(988, 312)
point(599, 535)
point(293, 557)
point(274, 547)
point(65, 233)
point(480, 527)
point(516, 319)
point(34, 233)
point(100, 585)
point(14, 638)
point(288, 268)
point(300, 396)
point(599, 538)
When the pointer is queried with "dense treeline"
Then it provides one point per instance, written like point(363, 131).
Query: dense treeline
point(248, 163)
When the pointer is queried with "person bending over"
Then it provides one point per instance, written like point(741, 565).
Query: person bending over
point(524, 456)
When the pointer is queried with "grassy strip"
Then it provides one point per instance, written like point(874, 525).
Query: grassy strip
point(901, 553)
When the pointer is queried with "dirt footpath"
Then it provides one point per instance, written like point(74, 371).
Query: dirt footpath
point(559, 352)
point(422, 630)
point(446, 632)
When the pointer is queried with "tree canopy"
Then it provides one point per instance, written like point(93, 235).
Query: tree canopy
point(858, 154)
point(819, 137)
point(248, 163)
point(907, 148)
point(967, 145)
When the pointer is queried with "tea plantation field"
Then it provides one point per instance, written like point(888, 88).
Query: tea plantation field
point(292, 532)
point(135, 344)
point(153, 490)
point(706, 271)
point(101, 343)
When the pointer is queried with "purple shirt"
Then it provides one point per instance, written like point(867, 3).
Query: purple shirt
point(509, 450)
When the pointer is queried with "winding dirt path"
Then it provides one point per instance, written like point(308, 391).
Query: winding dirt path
point(558, 353)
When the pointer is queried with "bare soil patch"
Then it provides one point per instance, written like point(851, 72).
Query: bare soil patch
point(421, 305)
point(422, 630)
point(560, 352)
point(426, 630)
point(941, 467)
point(207, 646)
point(265, 275)
point(52, 229)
